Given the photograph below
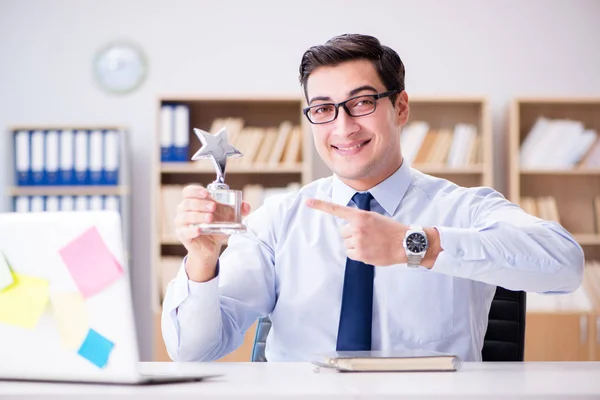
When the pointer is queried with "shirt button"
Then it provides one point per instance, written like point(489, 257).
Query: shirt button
point(460, 252)
point(511, 260)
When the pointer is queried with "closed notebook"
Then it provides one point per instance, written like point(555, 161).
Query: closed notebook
point(390, 361)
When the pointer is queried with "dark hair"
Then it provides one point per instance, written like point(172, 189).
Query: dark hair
point(350, 47)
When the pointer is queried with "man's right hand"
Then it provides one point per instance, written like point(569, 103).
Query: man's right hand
point(203, 250)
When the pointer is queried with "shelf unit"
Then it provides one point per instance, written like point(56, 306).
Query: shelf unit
point(258, 111)
point(559, 335)
point(121, 190)
point(445, 113)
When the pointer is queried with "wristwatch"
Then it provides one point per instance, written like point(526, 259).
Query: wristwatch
point(415, 245)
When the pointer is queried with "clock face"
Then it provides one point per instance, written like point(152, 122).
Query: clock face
point(120, 68)
point(416, 242)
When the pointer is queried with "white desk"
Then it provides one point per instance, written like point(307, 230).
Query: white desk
point(300, 380)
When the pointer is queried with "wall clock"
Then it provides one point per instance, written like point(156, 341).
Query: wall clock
point(120, 67)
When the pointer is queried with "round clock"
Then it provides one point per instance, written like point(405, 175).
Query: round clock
point(120, 67)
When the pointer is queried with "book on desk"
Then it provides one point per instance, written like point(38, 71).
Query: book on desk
point(407, 360)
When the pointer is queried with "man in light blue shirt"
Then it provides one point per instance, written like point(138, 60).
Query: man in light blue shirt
point(336, 265)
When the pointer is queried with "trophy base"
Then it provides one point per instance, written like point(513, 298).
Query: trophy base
point(221, 228)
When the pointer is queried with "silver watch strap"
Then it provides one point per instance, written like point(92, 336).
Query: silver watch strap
point(414, 261)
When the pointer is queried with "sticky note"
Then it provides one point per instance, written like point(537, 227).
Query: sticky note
point(71, 316)
point(6, 278)
point(96, 349)
point(90, 262)
point(23, 303)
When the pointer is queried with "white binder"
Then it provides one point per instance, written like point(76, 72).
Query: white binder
point(81, 203)
point(181, 138)
point(96, 151)
point(96, 203)
point(52, 153)
point(22, 204)
point(67, 203)
point(111, 157)
point(37, 204)
point(81, 157)
point(37, 157)
point(22, 158)
point(112, 203)
point(166, 132)
point(67, 157)
point(52, 203)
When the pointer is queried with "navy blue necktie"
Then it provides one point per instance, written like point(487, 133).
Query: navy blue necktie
point(354, 331)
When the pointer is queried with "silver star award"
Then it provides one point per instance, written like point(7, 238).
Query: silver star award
point(228, 215)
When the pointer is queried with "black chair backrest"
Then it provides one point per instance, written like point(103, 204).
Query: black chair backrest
point(504, 338)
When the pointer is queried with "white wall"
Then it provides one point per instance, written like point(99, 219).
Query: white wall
point(496, 48)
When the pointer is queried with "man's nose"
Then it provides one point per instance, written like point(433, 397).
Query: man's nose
point(345, 124)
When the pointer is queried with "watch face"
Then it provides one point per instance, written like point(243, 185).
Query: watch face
point(416, 242)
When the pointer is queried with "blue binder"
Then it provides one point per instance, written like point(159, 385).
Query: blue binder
point(166, 132)
point(112, 156)
point(66, 158)
point(52, 157)
point(22, 160)
point(38, 147)
point(82, 157)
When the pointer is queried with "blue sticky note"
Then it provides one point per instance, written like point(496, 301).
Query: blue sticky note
point(96, 348)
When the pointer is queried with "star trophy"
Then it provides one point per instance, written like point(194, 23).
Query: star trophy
point(217, 149)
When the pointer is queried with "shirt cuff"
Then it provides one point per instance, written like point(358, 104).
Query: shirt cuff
point(183, 287)
point(460, 245)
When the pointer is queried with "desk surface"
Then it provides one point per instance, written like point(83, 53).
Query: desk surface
point(303, 380)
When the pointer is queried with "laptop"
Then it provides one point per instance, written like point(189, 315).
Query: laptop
point(66, 310)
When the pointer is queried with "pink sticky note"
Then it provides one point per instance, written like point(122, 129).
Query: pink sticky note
point(90, 262)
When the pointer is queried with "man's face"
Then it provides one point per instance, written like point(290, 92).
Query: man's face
point(362, 151)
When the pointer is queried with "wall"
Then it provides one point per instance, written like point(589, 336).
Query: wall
point(496, 48)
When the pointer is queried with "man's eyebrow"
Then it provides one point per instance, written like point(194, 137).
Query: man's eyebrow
point(362, 88)
point(350, 94)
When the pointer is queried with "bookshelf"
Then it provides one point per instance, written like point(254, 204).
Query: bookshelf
point(56, 183)
point(554, 173)
point(255, 125)
point(442, 116)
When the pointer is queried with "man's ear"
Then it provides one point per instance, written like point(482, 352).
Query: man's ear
point(402, 108)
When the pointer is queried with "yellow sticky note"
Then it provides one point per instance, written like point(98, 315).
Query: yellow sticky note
point(6, 278)
point(23, 303)
point(72, 318)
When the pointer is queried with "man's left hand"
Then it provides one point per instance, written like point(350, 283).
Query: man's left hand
point(373, 238)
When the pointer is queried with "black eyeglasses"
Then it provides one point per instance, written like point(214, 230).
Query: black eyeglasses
point(357, 106)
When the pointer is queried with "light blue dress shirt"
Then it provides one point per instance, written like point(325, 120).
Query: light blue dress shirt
point(290, 266)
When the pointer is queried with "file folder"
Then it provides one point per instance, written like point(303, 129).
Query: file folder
point(37, 157)
point(37, 204)
point(22, 158)
point(67, 203)
point(21, 204)
point(112, 156)
point(51, 158)
point(166, 133)
point(181, 136)
point(81, 157)
point(52, 203)
point(96, 150)
point(67, 158)
point(112, 203)
point(96, 203)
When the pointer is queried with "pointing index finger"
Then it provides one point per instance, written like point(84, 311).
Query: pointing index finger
point(333, 209)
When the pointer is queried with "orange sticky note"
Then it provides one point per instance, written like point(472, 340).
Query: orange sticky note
point(23, 303)
point(90, 262)
point(72, 318)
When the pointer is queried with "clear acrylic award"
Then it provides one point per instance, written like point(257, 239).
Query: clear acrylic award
point(228, 218)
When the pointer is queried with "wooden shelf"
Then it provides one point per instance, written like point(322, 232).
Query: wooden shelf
point(207, 168)
point(587, 239)
point(443, 170)
point(571, 171)
point(68, 190)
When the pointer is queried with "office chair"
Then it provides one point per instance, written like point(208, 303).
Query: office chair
point(504, 339)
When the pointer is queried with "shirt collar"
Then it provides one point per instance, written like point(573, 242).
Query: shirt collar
point(388, 193)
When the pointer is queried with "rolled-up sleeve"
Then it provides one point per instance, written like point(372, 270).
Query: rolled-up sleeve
point(206, 321)
point(505, 246)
